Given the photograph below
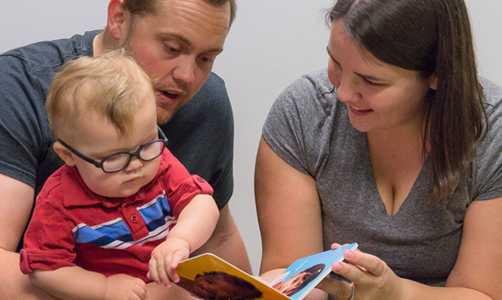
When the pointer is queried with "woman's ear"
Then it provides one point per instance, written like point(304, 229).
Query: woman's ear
point(434, 82)
point(64, 153)
point(117, 19)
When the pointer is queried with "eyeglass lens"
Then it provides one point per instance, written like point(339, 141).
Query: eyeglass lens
point(120, 161)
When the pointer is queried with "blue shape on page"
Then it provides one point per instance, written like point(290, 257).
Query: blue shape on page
point(305, 273)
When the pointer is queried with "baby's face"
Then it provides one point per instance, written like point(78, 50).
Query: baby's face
point(97, 138)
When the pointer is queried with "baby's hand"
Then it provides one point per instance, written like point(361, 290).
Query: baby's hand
point(123, 286)
point(165, 259)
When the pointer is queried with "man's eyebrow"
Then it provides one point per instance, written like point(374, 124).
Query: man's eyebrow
point(185, 41)
point(169, 35)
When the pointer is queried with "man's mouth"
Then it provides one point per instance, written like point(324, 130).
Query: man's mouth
point(167, 97)
point(170, 95)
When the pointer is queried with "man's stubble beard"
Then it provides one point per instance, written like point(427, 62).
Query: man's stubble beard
point(156, 84)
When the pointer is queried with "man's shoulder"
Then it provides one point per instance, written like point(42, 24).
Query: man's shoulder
point(44, 55)
point(212, 100)
point(213, 92)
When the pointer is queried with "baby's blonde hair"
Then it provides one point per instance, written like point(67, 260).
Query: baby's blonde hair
point(109, 84)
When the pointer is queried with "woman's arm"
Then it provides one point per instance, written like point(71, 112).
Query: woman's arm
point(289, 211)
point(479, 262)
point(289, 214)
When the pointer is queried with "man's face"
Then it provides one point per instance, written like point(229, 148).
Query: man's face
point(177, 47)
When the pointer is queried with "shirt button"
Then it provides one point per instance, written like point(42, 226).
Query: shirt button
point(134, 218)
point(200, 179)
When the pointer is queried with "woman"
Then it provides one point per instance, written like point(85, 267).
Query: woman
point(396, 146)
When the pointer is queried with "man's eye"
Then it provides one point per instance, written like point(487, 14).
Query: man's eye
point(172, 49)
point(206, 59)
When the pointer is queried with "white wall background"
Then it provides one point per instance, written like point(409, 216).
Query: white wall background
point(270, 45)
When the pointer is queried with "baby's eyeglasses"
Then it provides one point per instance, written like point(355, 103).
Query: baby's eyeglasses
point(117, 162)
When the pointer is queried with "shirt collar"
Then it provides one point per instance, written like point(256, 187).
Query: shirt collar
point(76, 192)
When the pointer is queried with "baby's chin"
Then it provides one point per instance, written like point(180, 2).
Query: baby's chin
point(119, 193)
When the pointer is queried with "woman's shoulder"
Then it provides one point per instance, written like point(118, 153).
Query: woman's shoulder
point(312, 92)
point(487, 175)
point(493, 104)
point(316, 82)
point(492, 92)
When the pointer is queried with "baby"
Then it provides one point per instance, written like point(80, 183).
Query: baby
point(122, 211)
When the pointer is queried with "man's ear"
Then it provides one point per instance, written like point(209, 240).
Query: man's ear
point(64, 153)
point(117, 17)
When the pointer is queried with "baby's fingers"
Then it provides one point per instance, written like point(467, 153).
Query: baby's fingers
point(175, 260)
point(158, 273)
point(152, 271)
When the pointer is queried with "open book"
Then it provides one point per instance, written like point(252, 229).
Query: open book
point(210, 277)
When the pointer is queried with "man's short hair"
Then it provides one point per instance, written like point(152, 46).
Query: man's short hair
point(144, 7)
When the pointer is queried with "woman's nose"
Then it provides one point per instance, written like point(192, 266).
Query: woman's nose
point(347, 90)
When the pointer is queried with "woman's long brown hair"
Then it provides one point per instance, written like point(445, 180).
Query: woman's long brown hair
point(432, 37)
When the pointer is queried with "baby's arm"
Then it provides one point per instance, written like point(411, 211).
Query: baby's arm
point(77, 283)
point(195, 225)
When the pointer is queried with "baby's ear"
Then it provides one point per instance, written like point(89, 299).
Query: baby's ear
point(64, 153)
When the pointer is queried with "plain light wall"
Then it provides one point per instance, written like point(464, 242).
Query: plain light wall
point(271, 44)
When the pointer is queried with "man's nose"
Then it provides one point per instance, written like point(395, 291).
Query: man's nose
point(185, 70)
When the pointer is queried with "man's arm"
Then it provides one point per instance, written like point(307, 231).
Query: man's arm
point(226, 242)
point(15, 207)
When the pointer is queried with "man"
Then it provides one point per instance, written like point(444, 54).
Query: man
point(175, 42)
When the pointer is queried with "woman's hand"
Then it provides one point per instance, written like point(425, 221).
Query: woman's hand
point(371, 276)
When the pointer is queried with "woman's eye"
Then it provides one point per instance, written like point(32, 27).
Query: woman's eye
point(372, 83)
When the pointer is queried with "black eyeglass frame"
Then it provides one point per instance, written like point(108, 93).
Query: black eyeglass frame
point(99, 164)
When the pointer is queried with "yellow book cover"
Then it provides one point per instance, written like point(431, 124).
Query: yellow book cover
point(211, 278)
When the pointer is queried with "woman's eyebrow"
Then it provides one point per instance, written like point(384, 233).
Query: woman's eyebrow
point(369, 77)
point(329, 54)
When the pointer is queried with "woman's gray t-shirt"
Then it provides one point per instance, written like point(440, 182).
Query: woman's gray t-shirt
point(309, 129)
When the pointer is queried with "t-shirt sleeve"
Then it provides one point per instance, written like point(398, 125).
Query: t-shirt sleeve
point(179, 185)
point(48, 243)
point(20, 120)
point(488, 163)
point(297, 123)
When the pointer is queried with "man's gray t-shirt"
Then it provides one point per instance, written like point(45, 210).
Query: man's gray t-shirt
point(309, 128)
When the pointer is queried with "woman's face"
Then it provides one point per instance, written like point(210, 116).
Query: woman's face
point(378, 96)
